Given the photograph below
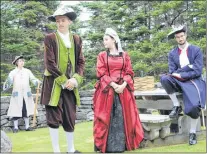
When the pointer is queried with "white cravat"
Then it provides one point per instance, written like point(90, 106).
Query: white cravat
point(183, 58)
point(65, 38)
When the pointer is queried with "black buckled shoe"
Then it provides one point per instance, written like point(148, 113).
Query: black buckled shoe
point(192, 139)
point(76, 151)
point(15, 130)
point(29, 129)
point(175, 111)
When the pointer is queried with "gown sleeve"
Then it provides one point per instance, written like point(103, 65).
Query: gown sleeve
point(102, 72)
point(129, 74)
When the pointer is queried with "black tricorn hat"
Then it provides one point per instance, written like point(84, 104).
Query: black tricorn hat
point(17, 58)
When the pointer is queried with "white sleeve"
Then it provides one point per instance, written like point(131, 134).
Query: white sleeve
point(33, 79)
point(9, 81)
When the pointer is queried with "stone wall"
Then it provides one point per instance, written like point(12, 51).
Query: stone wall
point(6, 144)
point(84, 112)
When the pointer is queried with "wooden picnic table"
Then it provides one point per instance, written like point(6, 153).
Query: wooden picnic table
point(155, 92)
point(154, 99)
point(159, 100)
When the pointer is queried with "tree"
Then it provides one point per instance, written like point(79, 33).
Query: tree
point(143, 27)
point(22, 33)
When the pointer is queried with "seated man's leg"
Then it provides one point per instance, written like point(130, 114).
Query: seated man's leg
point(170, 86)
point(177, 109)
point(194, 117)
point(192, 135)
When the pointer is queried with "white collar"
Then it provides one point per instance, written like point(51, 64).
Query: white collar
point(185, 48)
point(65, 38)
point(18, 70)
point(63, 35)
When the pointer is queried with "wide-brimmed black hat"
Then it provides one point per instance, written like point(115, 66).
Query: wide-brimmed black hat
point(17, 58)
point(63, 11)
point(176, 29)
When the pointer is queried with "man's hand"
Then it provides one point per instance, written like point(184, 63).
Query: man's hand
point(40, 84)
point(176, 75)
point(69, 85)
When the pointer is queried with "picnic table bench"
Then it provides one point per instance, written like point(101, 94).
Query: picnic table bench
point(160, 125)
point(154, 99)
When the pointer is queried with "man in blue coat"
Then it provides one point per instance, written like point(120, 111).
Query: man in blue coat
point(185, 69)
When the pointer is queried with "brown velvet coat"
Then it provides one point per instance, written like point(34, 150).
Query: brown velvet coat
point(50, 63)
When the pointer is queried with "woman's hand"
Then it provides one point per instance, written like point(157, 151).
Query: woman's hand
point(121, 87)
point(114, 85)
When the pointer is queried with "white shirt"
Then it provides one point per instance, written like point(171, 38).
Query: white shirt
point(183, 58)
point(65, 38)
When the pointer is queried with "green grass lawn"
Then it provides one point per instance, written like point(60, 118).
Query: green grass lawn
point(39, 141)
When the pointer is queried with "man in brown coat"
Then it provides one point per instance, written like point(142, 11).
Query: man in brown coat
point(64, 64)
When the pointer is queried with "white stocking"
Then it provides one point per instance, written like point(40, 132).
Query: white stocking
point(174, 99)
point(54, 134)
point(70, 138)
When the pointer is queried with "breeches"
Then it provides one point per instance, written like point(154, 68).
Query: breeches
point(170, 84)
point(190, 94)
point(64, 113)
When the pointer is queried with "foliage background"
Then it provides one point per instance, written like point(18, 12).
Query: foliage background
point(141, 25)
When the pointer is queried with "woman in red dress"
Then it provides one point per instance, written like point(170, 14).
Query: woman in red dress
point(117, 125)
